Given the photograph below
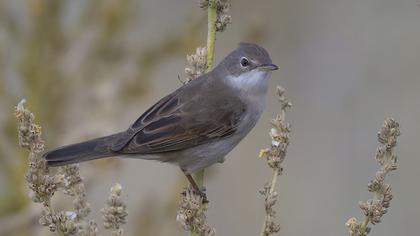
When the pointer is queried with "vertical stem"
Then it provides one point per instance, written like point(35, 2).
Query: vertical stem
point(199, 178)
point(363, 226)
point(274, 180)
point(211, 33)
point(211, 38)
point(272, 187)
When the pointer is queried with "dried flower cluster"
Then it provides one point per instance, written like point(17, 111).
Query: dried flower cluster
point(191, 213)
point(62, 222)
point(29, 133)
point(90, 229)
point(197, 64)
point(270, 199)
point(43, 184)
point(222, 7)
point(280, 135)
point(74, 187)
point(275, 155)
point(375, 208)
point(115, 212)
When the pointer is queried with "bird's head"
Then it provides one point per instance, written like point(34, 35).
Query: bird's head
point(247, 68)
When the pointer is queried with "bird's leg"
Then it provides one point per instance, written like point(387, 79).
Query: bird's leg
point(195, 187)
point(192, 182)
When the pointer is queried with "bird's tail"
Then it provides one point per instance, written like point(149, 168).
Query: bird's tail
point(79, 152)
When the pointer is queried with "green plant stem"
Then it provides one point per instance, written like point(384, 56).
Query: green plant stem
point(199, 178)
point(211, 38)
point(211, 33)
point(363, 226)
point(272, 187)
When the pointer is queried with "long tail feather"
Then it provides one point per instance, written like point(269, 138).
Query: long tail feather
point(84, 151)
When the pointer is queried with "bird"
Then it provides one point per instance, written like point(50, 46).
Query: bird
point(193, 127)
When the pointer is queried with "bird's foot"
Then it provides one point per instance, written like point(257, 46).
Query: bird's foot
point(202, 194)
point(199, 192)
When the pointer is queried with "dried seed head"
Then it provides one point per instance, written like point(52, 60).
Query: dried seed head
point(115, 213)
point(191, 213)
point(375, 208)
point(197, 64)
point(275, 155)
point(222, 9)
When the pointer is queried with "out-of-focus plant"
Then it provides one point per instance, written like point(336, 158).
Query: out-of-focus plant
point(115, 212)
point(43, 184)
point(275, 155)
point(376, 207)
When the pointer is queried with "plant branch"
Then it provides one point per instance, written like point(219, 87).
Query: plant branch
point(43, 184)
point(378, 205)
point(275, 155)
point(211, 39)
point(211, 33)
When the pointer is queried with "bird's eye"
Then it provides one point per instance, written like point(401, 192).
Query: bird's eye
point(244, 62)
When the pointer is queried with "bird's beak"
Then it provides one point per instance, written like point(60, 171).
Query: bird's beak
point(268, 67)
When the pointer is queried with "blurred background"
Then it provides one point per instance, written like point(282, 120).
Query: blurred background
point(90, 68)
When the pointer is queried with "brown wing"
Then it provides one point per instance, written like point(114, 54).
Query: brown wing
point(180, 130)
point(173, 124)
point(165, 105)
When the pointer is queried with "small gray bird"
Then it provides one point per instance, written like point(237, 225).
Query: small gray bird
point(196, 125)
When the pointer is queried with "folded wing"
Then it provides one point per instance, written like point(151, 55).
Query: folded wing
point(174, 124)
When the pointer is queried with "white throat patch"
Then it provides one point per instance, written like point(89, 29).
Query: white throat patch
point(254, 80)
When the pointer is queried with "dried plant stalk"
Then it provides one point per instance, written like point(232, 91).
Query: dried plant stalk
point(376, 207)
point(115, 212)
point(197, 64)
point(192, 214)
point(44, 184)
point(275, 155)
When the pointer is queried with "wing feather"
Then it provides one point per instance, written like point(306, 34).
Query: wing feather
point(178, 122)
point(178, 135)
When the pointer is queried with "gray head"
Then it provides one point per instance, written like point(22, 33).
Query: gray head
point(247, 68)
point(245, 58)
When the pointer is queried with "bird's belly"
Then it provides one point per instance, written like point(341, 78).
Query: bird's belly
point(202, 156)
